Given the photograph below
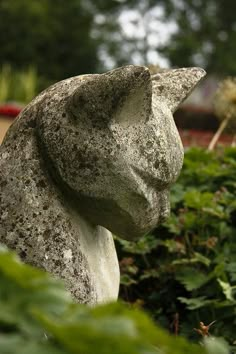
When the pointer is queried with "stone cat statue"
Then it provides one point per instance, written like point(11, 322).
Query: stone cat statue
point(90, 154)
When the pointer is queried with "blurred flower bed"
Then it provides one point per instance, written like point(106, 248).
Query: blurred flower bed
point(10, 110)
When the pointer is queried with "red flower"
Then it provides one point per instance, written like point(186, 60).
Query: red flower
point(10, 110)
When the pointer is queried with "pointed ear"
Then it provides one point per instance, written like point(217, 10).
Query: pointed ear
point(137, 104)
point(175, 85)
point(121, 94)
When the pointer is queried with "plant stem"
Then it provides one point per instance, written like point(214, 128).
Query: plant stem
point(233, 144)
point(218, 133)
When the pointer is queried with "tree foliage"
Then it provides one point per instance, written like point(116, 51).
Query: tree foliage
point(52, 36)
point(65, 39)
point(206, 34)
point(59, 39)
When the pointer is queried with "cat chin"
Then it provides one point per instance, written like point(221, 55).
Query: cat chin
point(126, 221)
point(146, 216)
point(135, 228)
point(143, 219)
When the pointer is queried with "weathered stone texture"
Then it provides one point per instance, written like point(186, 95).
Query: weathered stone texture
point(90, 154)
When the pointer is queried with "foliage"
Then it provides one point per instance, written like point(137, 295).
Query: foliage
point(205, 35)
point(185, 32)
point(65, 39)
point(50, 35)
point(185, 271)
point(20, 86)
point(60, 39)
point(38, 316)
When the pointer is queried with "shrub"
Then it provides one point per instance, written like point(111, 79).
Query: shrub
point(20, 86)
point(185, 271)
point(37, 316)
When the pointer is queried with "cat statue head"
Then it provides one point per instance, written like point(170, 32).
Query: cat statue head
point(112, 145)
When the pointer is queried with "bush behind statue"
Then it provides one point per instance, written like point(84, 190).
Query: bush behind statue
point(185, 272)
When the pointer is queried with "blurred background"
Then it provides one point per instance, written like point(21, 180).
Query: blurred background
point(45, 41)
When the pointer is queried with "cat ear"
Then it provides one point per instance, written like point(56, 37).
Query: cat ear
point(123, 94)
point(174, 86)
point(137, 103)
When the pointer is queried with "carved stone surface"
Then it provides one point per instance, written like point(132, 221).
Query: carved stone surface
point(90, 154)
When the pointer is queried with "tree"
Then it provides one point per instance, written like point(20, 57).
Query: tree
point(63, 39)
point(49, 34)
point(206, 34)
point(185, 32)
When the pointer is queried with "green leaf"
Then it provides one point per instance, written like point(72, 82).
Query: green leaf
point(173, 224)
point(23, 288)
point(201, 258)
point(33, 279)
point(177, 194)
point(28, 313)
point(191, 220)
point(216, 345)
point(173, 246)
point(143, 246)
point(17, 344)
point(127, 280)
point(197, 200)
point(192, 278)
point(231, 268)
point(218, 211)
point(227, 289)
point(196, 258)
point(195, 303)
point(113, 329)
point(150, 273)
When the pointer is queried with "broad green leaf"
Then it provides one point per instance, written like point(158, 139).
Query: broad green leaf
point(143, 246)
point(192, 278)
point(227, 289)
point(173, 225)
point(150, 273)
point(195, 303)
point(177, 194)
point(29, 325)
point(216, 346)
point(231, 268)
point(18, 344)
point(191, 219)
point(197, 200)
point(173, 246)
point(23, 288)
point(114, 329)
point(196, 258)
point(127, 280)
point(201, 258)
